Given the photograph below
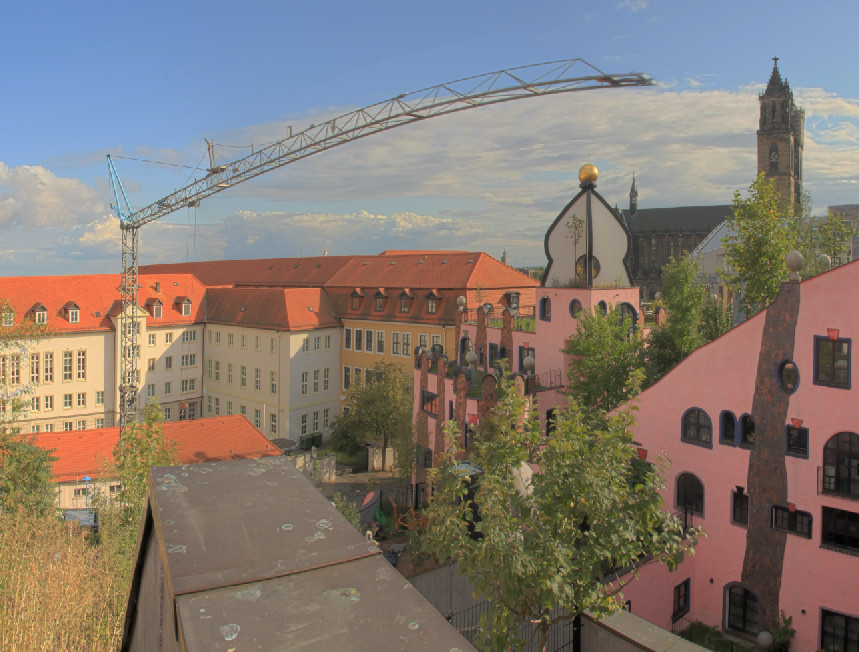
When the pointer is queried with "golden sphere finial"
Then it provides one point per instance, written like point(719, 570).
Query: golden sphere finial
point(588, 173)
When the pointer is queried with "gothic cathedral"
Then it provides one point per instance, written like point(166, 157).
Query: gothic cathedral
point(780, 137)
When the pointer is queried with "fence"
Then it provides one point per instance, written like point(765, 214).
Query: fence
point(467, 623)
point(405, 496)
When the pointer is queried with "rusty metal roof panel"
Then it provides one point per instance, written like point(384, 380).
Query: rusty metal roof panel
point(257, 558)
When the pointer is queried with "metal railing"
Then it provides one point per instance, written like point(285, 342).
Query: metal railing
point(467, 623)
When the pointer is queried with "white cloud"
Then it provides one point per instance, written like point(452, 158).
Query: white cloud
point(632, 5)
point(33, 197)
point(482, 180)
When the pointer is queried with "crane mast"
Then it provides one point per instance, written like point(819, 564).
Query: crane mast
point(537, 80)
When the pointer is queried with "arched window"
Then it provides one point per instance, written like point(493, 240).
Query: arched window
point(464, 347)
point(788, 376)
point(546, 309)
point(841, 465)
point(690, 494)
point(575, 308)
point(603, 306)
point(696, 428)
point(727, 427)
point(627, 309)
point(747, 430)
point(742, 611)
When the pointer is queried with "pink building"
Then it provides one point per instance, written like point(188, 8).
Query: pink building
point(760, 428)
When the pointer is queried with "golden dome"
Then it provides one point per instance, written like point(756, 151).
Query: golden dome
point(588, 173)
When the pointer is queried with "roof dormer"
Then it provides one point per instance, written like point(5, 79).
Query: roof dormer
point(184, 306)
point(155, 308)
point(433, 297)
point(357, 297)
point(72, 312)
point(8, 316)
point(40, 313)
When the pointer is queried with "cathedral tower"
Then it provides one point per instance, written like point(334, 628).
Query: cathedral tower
point(780, 136)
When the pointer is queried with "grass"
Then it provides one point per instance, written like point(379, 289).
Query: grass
point(58, 591)
point(712, 639)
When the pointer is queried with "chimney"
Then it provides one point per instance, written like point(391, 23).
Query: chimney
point(158, 287)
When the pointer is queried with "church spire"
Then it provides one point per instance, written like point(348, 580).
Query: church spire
point(633, 198)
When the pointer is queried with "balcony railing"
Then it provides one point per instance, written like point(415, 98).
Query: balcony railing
point(835, 481)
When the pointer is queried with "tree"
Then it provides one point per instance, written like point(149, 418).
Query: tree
point(608, 356)
point(764, 230)
point(546, 555)
point(380, 411)
point(694, 318)
point(142, 445)
point(762, 234)
point(25, 469)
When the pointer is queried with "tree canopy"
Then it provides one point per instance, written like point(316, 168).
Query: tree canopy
point(764, 230)
point(572, 540)
point(608, 359)
point(379, 410)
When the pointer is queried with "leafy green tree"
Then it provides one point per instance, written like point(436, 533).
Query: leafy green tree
point(380, 411)
point(765, 230)
point(608, 356)
point(25, 469)
point(762, 235)
point(142, 445)
point(694, 318)
point(547, 554)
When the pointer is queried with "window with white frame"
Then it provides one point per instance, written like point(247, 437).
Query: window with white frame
point(229, 373)
point(189, 359)
point(407, 343)
point(368, 341)
point(49, 427)
point(273, 382)
point(67, 401)
point(273, 345)
point(273, 423)
point(327, 342)
point(150, 390)
point(168, 362)
point(150, 339)
point(81, 399)
point(217, 370)
point(347, 339)
point(168, 338)
point(304, 378)
point(257, 419)
point(81, 365)
point(168, 388)
point(380, 341)
point(395, 344)
point(67, 365)
point(34, 403)
point(315, 420)
point(244, 341)
point(217, 406)
point(317, 343)
point(99, 397)
point(257, 344)
point(230, 339)
point(81, 424)
point(243, 376)
point(68, 425)
point(325, 374)
point(303, 424)
point(150, 364)
point(316, 381)
point(229, 407)
point(49, 402)
point(48, 373)
point(326, 413)
point(99, 421)
point(257, 379)
point(189, 335)
point(74, 316)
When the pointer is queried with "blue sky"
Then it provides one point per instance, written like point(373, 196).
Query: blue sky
point(152, 80)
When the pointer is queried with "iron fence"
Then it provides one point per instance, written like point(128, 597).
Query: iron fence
point(561, 635)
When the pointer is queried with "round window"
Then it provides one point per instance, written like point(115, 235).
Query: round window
point(788, 376)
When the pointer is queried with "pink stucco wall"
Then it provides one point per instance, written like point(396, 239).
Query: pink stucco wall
point(722, 376)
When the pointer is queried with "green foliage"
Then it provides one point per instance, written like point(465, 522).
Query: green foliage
point(142, 445)
point(766, 229)
point(763, 234)
point(25, 476)
point(783, 633)
point(694, 318)
point(25, 469)
point(380, 411)
point(608, 361)
point(347, 508)
point(546, 555)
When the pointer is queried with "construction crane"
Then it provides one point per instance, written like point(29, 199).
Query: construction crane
point(493, 88)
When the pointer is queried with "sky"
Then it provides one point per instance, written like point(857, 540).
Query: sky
point(148, 82)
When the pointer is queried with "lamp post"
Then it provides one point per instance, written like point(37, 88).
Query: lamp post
point(86, 490)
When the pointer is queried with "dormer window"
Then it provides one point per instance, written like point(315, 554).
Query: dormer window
point(357, 296)
point(8, 317)
point(432, 303)
point(184, 306)
point(156, 308)
point(40, 313)
point(73, 312)
point(379, 301)
point(405, 302)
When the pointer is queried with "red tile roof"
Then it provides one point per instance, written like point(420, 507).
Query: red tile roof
point(85, 452)
point(287, 272)
point(293, 309)
point(96, 295)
